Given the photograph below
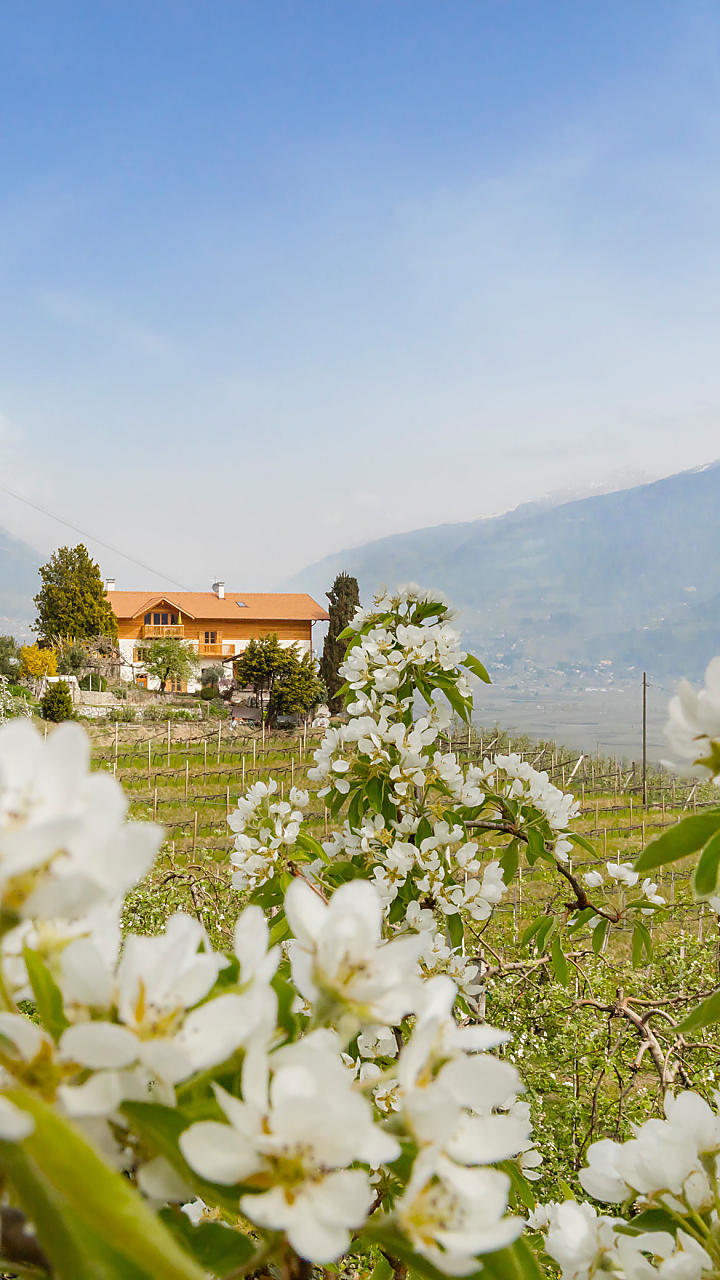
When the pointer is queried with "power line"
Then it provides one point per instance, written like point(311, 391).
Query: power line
point(92, 537)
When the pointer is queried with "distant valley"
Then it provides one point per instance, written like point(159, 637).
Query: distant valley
point(586, 594)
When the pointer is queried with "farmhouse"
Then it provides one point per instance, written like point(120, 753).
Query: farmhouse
point(216, 625)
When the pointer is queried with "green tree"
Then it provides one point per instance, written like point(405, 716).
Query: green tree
point(344, 597)
point(71, 603)
point(9, 656)
point(169, 660)
point(298, 687)
point(260, 666)
point(56, 703)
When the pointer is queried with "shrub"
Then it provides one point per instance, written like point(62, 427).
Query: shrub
point(56, 703)
point(123, 715)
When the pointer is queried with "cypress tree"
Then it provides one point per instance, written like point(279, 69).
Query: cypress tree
point(344, 597)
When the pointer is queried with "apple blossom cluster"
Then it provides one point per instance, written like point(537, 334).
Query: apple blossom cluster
point(693, 725)
point(517, 781)
point(265, 828)
point(585, 1243)
point(670, 1167)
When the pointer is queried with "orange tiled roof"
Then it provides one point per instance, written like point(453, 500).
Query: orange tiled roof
point(266, 606)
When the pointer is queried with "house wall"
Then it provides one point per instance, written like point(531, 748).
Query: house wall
point(233, 634)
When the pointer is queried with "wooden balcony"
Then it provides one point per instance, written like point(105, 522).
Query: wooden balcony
point(163, 633)
point(210, 650)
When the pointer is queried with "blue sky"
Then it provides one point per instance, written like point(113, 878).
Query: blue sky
point(277, 278)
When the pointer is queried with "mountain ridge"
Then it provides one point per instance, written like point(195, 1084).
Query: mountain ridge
point(634, 571)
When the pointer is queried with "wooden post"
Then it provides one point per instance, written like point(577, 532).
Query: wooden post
point(168, 744)
point(218, 745)
point(155, 805)
point(194, 833)
point(644, 739)
point(149, 755)
point(187, 778)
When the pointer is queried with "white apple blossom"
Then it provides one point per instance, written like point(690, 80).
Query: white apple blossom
point(578, 1238)
point(693, 726)
point(622, 873)
point(64, 842)
point(451, 1214)
point(667, 1159)
point(338, 953)
point(156, 1017)
point(295, 1134)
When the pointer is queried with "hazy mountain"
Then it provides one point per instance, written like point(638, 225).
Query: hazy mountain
point(631, 576)
point(19, 582)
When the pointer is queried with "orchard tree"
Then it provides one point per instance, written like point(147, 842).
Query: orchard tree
point(71, 603)
point(298, 688)
point(170, 660)
point(344, 597)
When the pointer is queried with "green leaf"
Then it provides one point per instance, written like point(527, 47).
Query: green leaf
point(509, 861)
point(476, 667)
point(581, 918)
point(641, 943)
point(559, 963)
point(703, 1016)
point(705, 880)
point(686, 837)
point(599, 935)
point(547, 928)
point(213, 1246)
point(649, 1220)
point(518, 1262)
point(455, 930)
point(48, 997)
point(82, 1209)
point(382, 1269)
point(581, 841)
point(530, 932)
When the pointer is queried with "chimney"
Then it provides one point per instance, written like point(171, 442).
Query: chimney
point(110, 584)
point(219, 589)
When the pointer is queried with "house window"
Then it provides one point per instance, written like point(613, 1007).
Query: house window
point(173, 685)
point(148, 619)
point(174, 619)
point(211, 637)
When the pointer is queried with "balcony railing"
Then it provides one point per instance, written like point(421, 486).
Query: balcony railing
point(163, 633)
point(210, 650)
